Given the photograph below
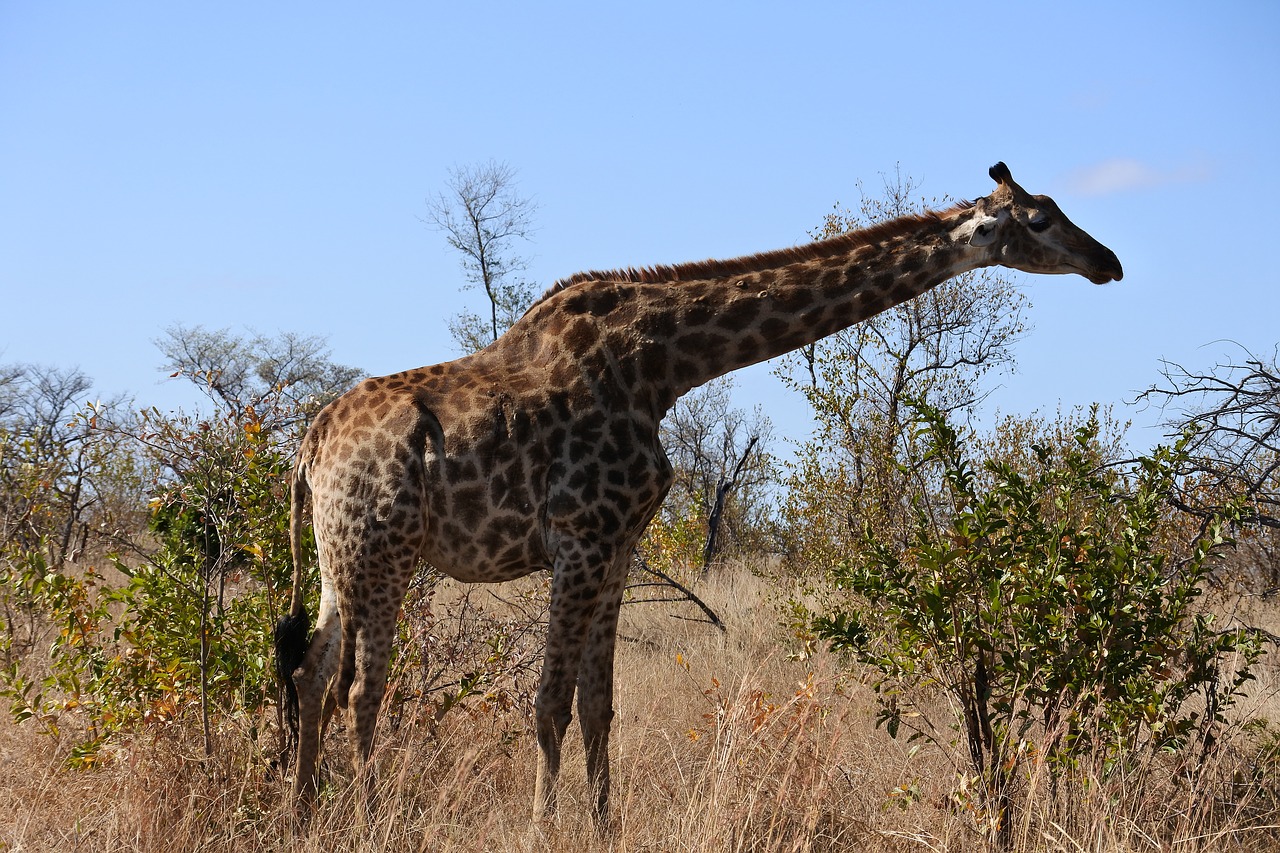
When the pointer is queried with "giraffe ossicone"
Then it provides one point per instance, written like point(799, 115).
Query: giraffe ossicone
point(541, 451)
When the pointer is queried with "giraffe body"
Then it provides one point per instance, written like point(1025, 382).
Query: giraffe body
point(541, 452)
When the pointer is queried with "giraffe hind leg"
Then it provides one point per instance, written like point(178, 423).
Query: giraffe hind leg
point(347, 667)
point(311, 680)
point(365, 662)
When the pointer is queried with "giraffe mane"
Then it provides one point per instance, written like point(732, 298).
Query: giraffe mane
point(711, 269)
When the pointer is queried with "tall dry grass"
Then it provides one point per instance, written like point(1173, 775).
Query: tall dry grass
point(721, 743)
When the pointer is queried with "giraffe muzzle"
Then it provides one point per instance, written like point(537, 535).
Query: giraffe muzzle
point(1108, 269)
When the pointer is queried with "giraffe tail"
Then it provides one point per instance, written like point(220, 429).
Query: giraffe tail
point(291, 632)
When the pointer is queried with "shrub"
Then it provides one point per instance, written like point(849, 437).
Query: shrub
point(182, 636)
point(1055, 607)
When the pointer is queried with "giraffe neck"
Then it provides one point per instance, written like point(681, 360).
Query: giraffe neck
point(653, 334)
point(711, 318)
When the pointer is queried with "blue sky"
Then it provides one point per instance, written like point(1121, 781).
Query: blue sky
point(266, 166)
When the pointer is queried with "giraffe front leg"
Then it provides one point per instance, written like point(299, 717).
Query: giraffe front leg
point(371, 641)
point(595, 690)
point(553, 716)
point(575, 588)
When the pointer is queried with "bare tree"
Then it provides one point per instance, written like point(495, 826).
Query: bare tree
point(61, 473)
point(10, 382)
point(283, 379)
point(722, 464)
point(482, 215)
point(1232, 413)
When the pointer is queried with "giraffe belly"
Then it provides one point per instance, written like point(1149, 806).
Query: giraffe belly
point(491, 549)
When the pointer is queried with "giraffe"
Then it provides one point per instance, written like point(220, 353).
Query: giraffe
point(541, 452)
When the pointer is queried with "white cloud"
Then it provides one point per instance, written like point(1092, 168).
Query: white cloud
point(1121, 174)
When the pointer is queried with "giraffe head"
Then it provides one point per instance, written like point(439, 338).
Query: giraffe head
point(1029, 233)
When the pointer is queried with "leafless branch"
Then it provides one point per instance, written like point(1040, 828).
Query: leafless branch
point(685, 593)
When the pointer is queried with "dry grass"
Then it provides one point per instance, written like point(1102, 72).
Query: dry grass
point(721, 743)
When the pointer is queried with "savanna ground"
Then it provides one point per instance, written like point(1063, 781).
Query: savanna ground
point(737, 741)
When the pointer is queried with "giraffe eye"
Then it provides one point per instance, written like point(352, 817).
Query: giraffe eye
point(1040, 223)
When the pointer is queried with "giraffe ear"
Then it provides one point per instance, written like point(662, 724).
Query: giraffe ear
point(984, 232)
point(979, 229)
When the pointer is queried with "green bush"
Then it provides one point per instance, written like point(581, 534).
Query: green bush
point(183, 636)
point(1054, 605)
